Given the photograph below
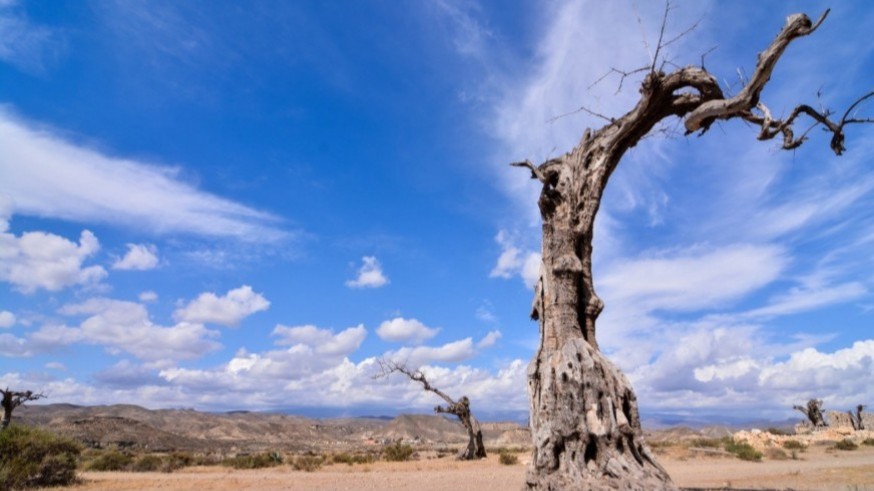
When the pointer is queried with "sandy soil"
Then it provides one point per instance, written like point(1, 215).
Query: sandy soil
point(818, 469)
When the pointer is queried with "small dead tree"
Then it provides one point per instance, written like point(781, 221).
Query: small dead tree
point(461, 408)
point(11, 400)
point(585, 423)
point(856, 419)
point(813, 411)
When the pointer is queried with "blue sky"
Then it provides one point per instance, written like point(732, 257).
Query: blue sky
point(240, 206)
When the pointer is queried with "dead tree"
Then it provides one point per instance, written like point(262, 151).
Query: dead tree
point(856, 419)
point(813, 411)
point(584, 416)
point(11, 400)
point(461, 408)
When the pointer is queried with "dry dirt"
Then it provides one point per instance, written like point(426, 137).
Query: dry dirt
point(817, 469)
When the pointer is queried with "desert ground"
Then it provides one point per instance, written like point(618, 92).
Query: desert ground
point(818, 468)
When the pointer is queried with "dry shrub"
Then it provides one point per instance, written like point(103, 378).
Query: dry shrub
point(308, 463)
point(743, 451)
point(30, 457)
point(846, 444)
point(111, 460)
point(508, 458)
point(793, 445)
point(397, 452)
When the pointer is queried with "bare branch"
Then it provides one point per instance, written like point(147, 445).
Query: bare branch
point(13, 399)
point(389, 367)
point(701, 118)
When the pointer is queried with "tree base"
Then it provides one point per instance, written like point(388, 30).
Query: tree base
point(585, 425)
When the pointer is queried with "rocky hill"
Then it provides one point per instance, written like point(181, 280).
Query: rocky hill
point(127, 426)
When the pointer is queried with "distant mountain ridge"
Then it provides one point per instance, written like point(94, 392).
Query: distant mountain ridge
point(129, 426)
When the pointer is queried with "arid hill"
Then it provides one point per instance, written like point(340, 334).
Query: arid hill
point(129, 426)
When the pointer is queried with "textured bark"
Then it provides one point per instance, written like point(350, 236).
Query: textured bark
point(475, 448)
point(11, 400)
point(856, 419)
point(813, 411)
point(584, 416)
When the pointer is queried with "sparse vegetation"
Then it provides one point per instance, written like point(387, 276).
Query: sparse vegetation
point(257, 461)
point(111, 460)
point(706, 442)
point(846, 444)
point(148, 463)
point(793, 445)
point(30, 457)
point(508, 458)
point(349, 459)
point(743, 451)
point(308, 463)
point(868, 441)
point(397, 452)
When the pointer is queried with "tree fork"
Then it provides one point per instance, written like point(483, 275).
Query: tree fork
point(584, 418)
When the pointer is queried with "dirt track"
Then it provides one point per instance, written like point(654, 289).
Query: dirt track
point(819, 470)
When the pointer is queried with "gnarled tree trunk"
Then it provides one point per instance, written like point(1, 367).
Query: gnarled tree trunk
point(12, 399)
point(584, 416)
point(813, 411)
point(475, 448)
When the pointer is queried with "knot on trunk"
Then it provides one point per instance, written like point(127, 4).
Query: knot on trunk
point(568, 264)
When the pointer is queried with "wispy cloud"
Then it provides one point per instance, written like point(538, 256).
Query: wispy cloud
point(27, 46)
point(48, 175)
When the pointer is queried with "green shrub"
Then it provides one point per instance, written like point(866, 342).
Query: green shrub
point(706, 442)
point(868, 441)
point(258, 461)
point(743, 451)
point(793, 445)
point(308, 463)
point(349, 459)
point(846, 444)
point(508, 458)
point(30, 457)
point(177, 460)
point(397, 452)
point(111, 460)
point(148, 463)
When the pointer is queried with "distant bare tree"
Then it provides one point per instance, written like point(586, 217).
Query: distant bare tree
point(856, 419)
point(11, 400)
point(461, 408)
point(813, 411)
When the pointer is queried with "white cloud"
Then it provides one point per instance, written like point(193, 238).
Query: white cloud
point(228, 310)
point(148, 296)
point(695, 278)
point(139, 257)
point(370, 274)
point(405, 330)
point(7, 319)
point(48, 175)
point(514, 261)
point(122, 326)
point(42, 260)
point(453, 352)
point(489, 340)
point(323, 341)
